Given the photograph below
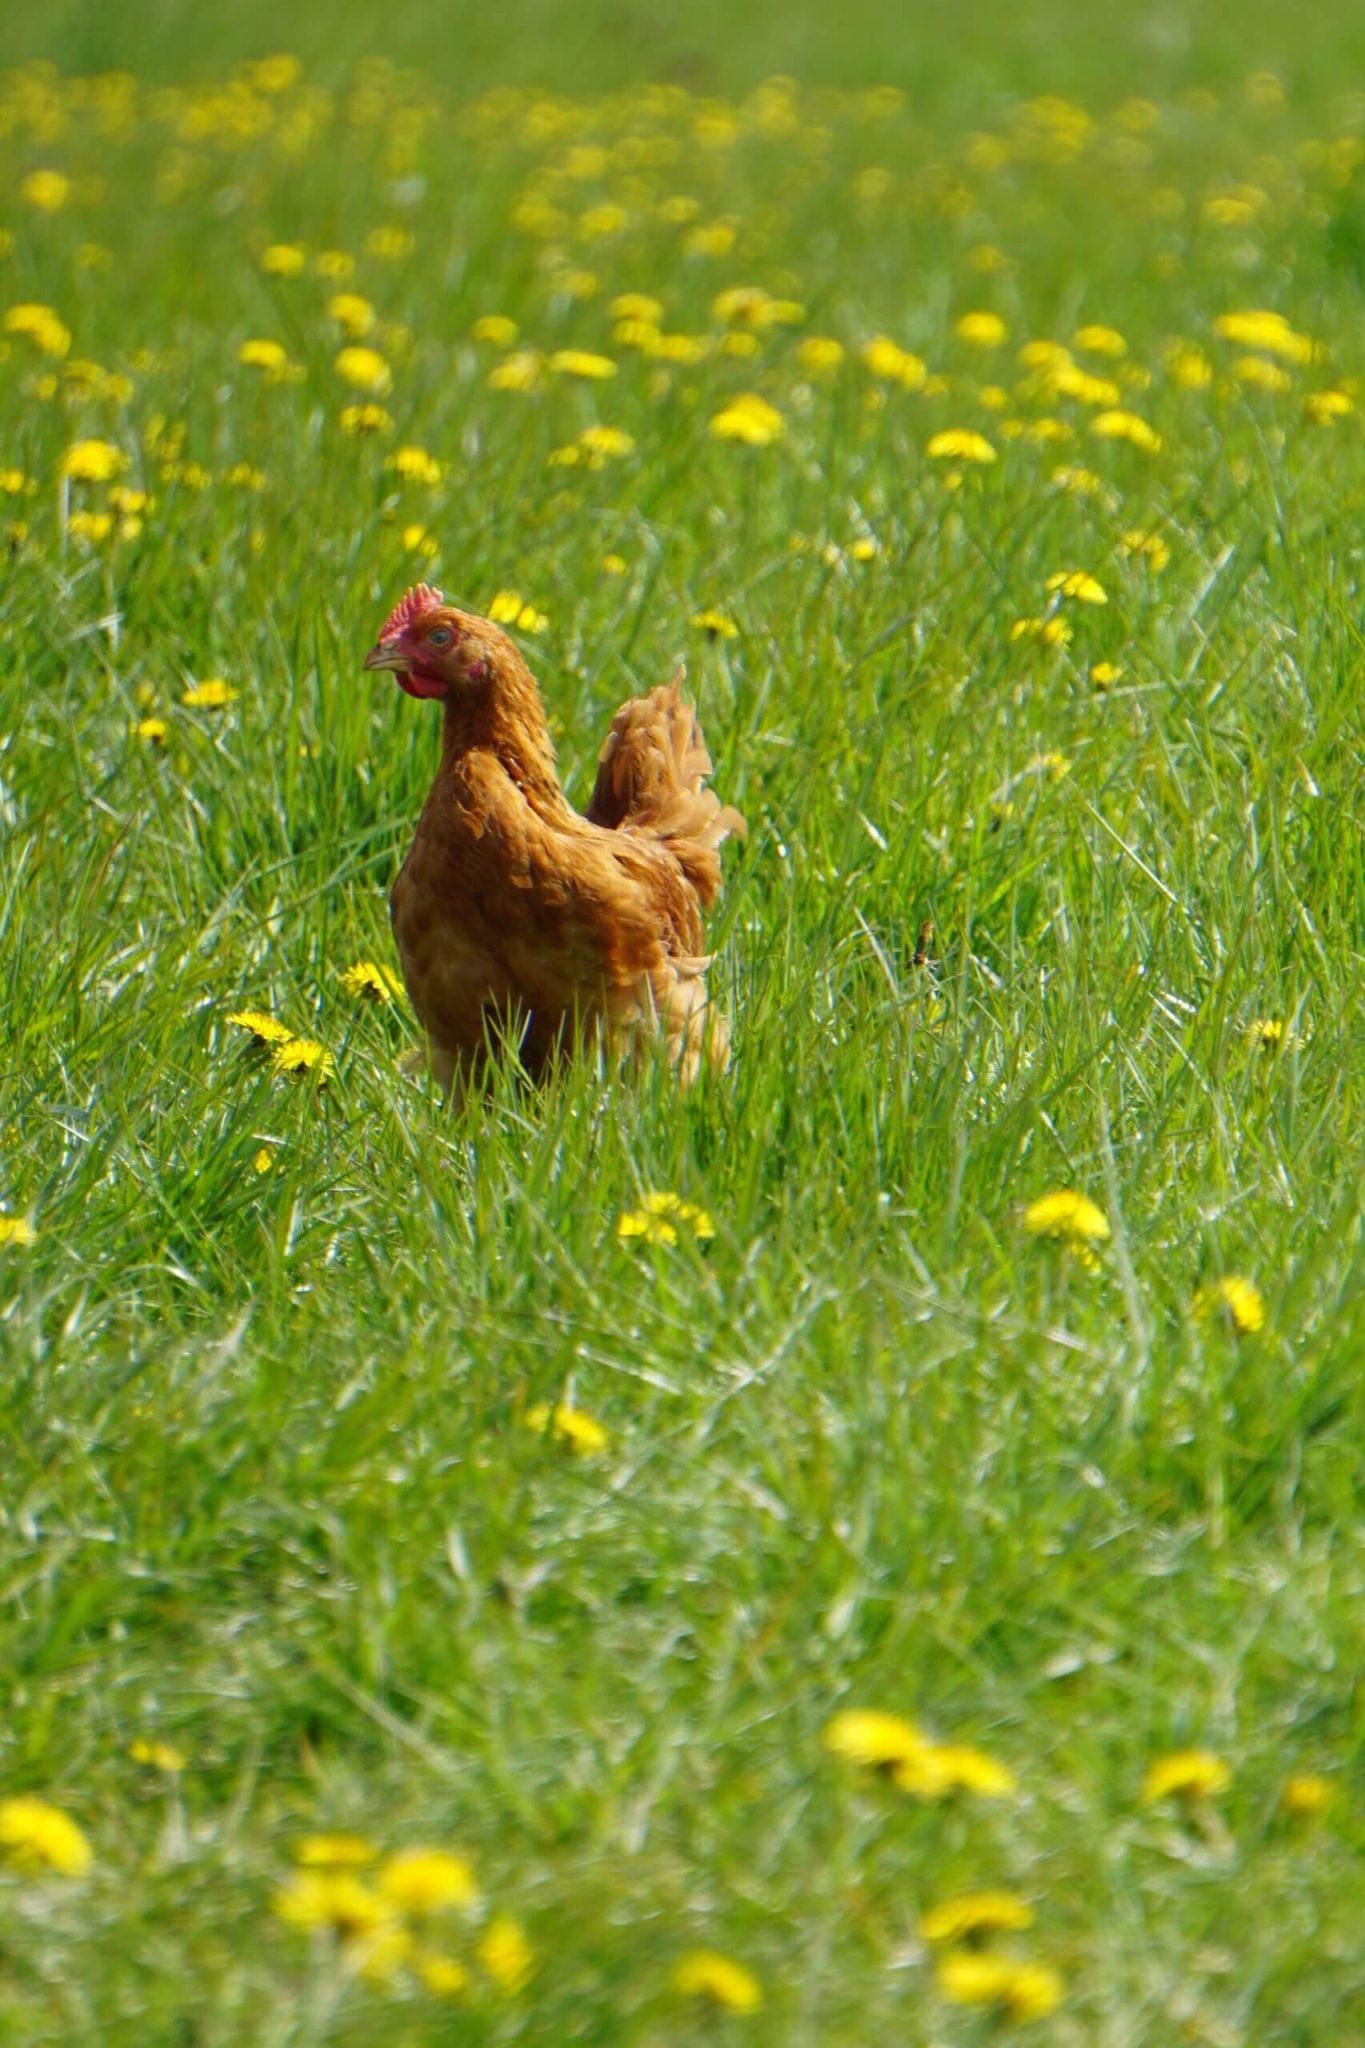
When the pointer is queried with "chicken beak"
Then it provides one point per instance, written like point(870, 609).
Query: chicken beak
point(387, 654)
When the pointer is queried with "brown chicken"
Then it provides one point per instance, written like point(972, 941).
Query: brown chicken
point(519, 921)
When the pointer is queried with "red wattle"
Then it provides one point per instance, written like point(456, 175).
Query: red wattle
point(420, 685)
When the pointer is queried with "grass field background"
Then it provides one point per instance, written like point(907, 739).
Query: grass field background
point(291, 1542)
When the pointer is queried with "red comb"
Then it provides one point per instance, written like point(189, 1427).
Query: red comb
point(421, 598)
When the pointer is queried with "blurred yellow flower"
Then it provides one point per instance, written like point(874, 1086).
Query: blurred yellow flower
point(354, 314)
point(1261, 375)
point(818, 353)
point(864, 1735)
point(1321, 408)
point(1271, 333)
point(662, 1218)
point(426, 1880)
point(960, 444)
point(373, 982)
point(1022, 1991)
point(211, 695)
point(265, 1029)
point(441, 1975)
point(705, 1973)
point(579, 362)
point(93, 462)
point(748, 418)
point(1305, 1797)
point(495, 328)
point(1234, 1299)
point(1100, 341)
point(283, 259)
point(1118, 425)
point(48, 190)
point(270, 356)
point(1070, 1218)
point(520, 371)
point(941, 1768)
point(298, 1057)
point(159, 1756)
point(1076, 583)
point(580, 1432)
point(983, 330)
point(415, 466)
point(1189, 1774)
point(334, 1852)
point(36, 1836)
point(1051, 632)
point(505, 1954)
point(715, 624)
point(510, 608)
point(152, 730)
point(41, 326)
point(1152, 549)
point(975, 1914)
point(365, 419)
point(335, 1899)
point(364, 369)
point(892, 363)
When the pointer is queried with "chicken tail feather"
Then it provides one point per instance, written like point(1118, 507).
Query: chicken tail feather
point(651, 777)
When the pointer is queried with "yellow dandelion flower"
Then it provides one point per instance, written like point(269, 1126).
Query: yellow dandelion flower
point(1118, 425)
point(1321, 408)
point(264, 1161)
point(613, 565)
point(941, 1768)
point(334, 1852)
point(152, 730)
point(390, 244)
point(37, 1836)
point(748, 418)
point(636, 306)
point(283, 259)
point(1271, 1034)
point(158, 1756)
point(426, 1880)
point(1051, 632)
point(298, 1057)
point(365, 419)
point(90, 526)
point(1233, 1299)
point(332, 1898)
point(1083, 482)
point(40, 325)
point(982, 330)
point(351, 312)
point(335, 264)
point(1100, 341)
point(1271, 333)
point(510, 608)
point(93, 462)
point(662, 1219)
point(16, 1230)
point(570, 1426)
point(1068, 381)
point(364, 369)
point(415, 466)
point(521, 371)
point(820, 353)
point(581, 362)
point(48, 190)
point(1104, 673)
point(270, 356)
point(505, 1954)
point(15, 484)
point(677, 348)
point(374, 982)
point(715, 625)
point(1189, 1774)
point(244, 477)
point(418, 541)
point(211, 695)
point(960, 444)
point(380, 1954)
point(1152, 549)
point(1261, 375)
point(705, 1973)
point(265, 1029)
point(1189, 366)
point(441, 1975)
point(1023, 1991)
point(1068, 1217)
point(495, 328)
point(863, 1735)
point(1076, 583)
point(1305, 1797)
point(886, 359)
point(976, 1914)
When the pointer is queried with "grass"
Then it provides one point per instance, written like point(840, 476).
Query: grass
point(275, 1492)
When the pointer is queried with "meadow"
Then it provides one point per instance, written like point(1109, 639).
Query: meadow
point(868, 1547)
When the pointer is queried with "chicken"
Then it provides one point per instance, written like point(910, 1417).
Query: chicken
point(516, 919)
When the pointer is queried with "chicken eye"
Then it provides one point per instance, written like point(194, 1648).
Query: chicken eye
point(440, 636)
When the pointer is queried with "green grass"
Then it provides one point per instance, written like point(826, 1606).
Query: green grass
point(272, 1495)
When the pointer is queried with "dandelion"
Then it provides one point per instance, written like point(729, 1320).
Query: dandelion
point(579, 362)
point(1022, 1991)
point(426, 1880)
point(1082, 482)
point(636, 306)
point(982, 330)
point(364, 369)
point(1271, 333)
point(379, 1955)
point(415, 466)
point(441, 1975)
point(705, 1973)
point(418, 541)
point(93, 462)
point(332, 1898)
point(16, 1230)
point(335, 264)
point(893, 364)
point(14, 484)
point(334, 1852)
point(1104, 674)
point(569, 1426)
point(712, 238)
point(495, 328)
point(93, 527)
point(270, 356)
point(863, 1735)
point(48, 190)
point(1149, 547)
point(265, 1029)
point(505, 1954)
point(389, 244)
point(975, 1915)
point(1305, 1797)
point(365, 419)
point(211, 695)
point(1322, 408)
point(1049, 632)
point(1189, 366)
point(520, 371)
point(748, 418)
point(1118, 425)
point(1076, 583)
point(298, 1057)
point(37, 1836)
point(510, 608)
point(1100, 341)
point(942, 1768)
point(1271, 1034)
point(40, 325)
point(614, 565)
point(1069, 1219)
point(264, 1161)
point(819, 354)
point(1234, 1300)
point(283, 259)
point(1261, 375)
point(960, 444)
point(662, 1219)
point(152, 731)
point(716, 625)
point(351, 312)
point(1188, 1774)
point(372, 982)
point(158, 1756)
